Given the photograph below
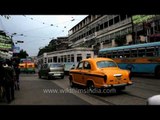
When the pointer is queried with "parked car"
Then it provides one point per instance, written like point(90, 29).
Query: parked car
point(51, 70)
point(100, 73)
point(154, 100)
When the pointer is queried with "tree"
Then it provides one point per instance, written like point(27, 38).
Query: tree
point(6, 16)
point(120, 40)
point(22, 54)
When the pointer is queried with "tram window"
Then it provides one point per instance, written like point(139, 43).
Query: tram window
point(45, 60)
point(109, 56)
point(55, 59)
point(157, 52)
point(141, 53)
point(133, 53)
point(59, 60)
point(65, 58)
point(49, 60)
point(127, 54)
point(79, 57)
point(72, 58)
point(69, 58)
point(150, 52)
point(88, 55)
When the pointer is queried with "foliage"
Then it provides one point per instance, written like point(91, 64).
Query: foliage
point(48, 48)
point(6, 16)
point(120, 40)
point(141, 18)
point(22, 54)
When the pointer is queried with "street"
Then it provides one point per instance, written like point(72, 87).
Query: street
point(35, 91)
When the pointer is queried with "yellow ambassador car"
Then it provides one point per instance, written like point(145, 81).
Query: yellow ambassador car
point(99, 73)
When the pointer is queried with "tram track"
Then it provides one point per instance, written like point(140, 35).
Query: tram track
point(144, 88)
point(98, 98)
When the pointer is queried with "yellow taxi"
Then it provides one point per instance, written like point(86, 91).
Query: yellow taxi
point(99, 73)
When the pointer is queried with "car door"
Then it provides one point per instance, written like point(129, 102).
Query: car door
point(86, 72)
point(78, 73)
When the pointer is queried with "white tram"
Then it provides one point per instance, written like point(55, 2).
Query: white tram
point(69, 57)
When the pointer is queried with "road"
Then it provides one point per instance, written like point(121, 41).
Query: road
point(35, 91)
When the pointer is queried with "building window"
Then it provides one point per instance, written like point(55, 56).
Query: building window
point(116, 19)
point(106, 24)
point(123, 17)
point(101, 26)
point(110, 22)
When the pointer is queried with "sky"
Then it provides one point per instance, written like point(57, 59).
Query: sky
point(37, 30)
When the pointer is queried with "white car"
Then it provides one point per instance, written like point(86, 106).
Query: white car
point(154, 100)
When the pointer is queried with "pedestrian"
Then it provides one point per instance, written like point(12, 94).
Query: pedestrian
point(17, 73)
point(2, 92)
point(9, 81)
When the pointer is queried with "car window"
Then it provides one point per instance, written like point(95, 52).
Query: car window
point(80, 65)
point(104, 64)
point(87, 65)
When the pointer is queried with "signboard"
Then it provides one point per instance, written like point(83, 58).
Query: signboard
point(5, 43)
point(141, 18)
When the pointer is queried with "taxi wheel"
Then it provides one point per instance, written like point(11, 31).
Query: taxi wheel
point(40, 76)
point(71, 83)
point(120, 89)
point(62, 77)
point(48, 77)
point(157, 72)
point(90, 87)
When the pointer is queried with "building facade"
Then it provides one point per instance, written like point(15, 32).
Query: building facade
point(101, 31)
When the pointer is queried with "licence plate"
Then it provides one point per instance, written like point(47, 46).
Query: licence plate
point(57, 74)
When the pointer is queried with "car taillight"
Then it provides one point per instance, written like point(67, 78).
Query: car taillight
point(105, 78)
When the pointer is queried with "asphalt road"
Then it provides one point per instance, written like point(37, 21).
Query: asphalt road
point(35, 91)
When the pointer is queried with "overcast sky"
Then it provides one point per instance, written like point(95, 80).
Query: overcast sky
point(37, 30)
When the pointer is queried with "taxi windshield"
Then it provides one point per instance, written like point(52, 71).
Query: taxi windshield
point(104, 64)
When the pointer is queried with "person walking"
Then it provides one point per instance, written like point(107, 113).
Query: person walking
point(2, 92)
point(17, 73)
point(9, 81)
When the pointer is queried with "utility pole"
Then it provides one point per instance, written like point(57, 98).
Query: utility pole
point(133, 33)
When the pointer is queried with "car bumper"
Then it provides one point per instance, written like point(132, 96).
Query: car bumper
point(56, 74)
point(117, 85)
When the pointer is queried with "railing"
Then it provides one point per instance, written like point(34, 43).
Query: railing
point(124, 22)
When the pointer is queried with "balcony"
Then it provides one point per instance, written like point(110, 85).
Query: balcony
point(90, 36)
point(115, 26)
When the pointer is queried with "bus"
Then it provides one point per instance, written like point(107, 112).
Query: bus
point(138, 58)
point(26, 65)
point(68, 57)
